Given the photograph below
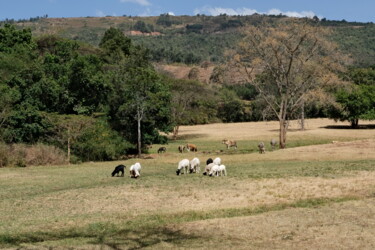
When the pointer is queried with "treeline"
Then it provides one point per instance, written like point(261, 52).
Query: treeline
point(194, 39)
point(92, 101)
point(77, 97)
point(104, 102)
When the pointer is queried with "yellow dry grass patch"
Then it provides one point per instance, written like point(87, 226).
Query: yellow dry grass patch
point(104, 202)
point(267, 130)
point(353, 150)
point(349, 225)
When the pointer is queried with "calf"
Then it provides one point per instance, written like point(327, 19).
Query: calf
point(118, 169)
point(217, 161)
point(214, 171)
point(194, 165)
point(209, 160)
point(162, 150)
point(181, 148)
point(191, 147)
point(273, 143)
point(230, 143)
point(208, 168)
point(183, 165)
point(262, 148)
point(135, 170)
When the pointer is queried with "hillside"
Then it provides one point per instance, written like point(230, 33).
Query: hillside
point(196, 39)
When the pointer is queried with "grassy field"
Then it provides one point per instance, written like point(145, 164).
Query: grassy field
point(319, 193)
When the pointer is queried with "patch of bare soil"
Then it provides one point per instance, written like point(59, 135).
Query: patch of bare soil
point(348, 225)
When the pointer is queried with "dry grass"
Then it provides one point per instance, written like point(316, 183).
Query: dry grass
point(323, 128)
point(82, 207)
point(349, 225)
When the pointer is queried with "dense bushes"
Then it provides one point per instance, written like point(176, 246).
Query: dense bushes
point(100, 143)
point(22, 155)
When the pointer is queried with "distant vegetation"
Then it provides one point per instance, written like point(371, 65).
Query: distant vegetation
point(64, 81)
point(194, 39)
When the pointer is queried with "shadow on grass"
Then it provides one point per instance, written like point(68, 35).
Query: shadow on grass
point(187, 137)
point(364, 126)
point(102, 234)
point(151, 230)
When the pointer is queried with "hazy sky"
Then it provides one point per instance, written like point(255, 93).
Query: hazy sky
point(350, 10)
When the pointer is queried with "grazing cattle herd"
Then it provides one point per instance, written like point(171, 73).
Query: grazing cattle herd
point(213, 167)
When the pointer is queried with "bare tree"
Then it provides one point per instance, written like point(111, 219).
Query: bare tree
point(69, 128)
point(286, 62)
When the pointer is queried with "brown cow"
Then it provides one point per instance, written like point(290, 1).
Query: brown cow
point(191, 147)
point(230, 143)
point(181, 148)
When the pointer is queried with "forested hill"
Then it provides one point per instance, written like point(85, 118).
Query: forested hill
point(195, 39)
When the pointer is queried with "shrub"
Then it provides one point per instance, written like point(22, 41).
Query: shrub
point(100, 143)
point(21, 155)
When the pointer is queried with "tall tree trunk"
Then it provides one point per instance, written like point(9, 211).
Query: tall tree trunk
point(175, 132)
point(354, 123)
point(68, 146)
point(283, 122)
point(139, 117)
point(303, 115)
point(282, 135)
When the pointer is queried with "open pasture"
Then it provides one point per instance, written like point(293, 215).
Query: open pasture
point(314, 194)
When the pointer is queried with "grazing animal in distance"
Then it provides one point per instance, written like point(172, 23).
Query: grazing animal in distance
point(118, 169)
point(222, 170)
point(217, 161)
point(273, 143)
point(162, 150)
point(214, 171)
point(135, 170)
point(208, 168)
point(191, 147)
point(194, 165)
point(230, 143)
point(209, 160)
point(183, 165)
point(181, 148)
point(262, 148)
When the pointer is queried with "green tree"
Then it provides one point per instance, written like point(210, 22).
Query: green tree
point(187, 97)
point(357, 103)
point(231, 108)
point(115, 45)
point(140, 105)
point(8, 96)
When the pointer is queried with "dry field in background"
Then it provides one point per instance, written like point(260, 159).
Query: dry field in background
point(304, 197)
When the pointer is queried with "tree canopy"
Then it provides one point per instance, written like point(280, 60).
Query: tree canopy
point(284, 63)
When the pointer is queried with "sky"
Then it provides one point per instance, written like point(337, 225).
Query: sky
point(350, 10)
